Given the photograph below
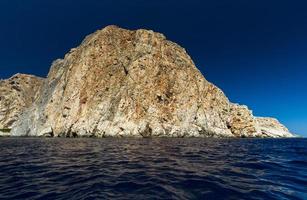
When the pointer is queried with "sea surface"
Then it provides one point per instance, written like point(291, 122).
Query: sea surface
point(60, 168)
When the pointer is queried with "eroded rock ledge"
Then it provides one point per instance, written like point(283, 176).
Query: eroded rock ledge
point(132, 83)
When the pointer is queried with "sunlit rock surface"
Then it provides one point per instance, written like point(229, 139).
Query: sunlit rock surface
point(16, 94)
point(134, 83)
point(270, 127)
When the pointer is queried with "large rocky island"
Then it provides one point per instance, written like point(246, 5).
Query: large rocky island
point(125, 83)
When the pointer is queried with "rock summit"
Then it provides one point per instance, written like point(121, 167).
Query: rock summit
point(125, 83)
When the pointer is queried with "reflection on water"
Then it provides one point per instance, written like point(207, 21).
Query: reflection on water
point(42, 168)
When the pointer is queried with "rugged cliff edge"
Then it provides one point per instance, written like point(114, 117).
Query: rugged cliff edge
point(16, 94)
point(134, 83)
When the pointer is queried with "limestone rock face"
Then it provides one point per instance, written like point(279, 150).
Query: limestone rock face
point(242, 122)
point(132, 83)
point(270, 127)
point(16, 94)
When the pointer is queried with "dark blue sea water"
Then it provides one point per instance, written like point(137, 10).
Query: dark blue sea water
point(57, 168)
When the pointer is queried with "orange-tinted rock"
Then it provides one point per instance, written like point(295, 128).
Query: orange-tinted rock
point(131, 83)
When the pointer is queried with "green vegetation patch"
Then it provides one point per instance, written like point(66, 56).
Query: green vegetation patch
point(5, 130)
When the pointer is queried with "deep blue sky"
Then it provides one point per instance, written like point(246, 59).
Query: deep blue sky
point(255, 50)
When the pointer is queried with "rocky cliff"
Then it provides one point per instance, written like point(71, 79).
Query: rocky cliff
point(270, 127)
point(16, 94)
point(135, 83)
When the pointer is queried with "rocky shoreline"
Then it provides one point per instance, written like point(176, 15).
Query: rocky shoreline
point(123, 83)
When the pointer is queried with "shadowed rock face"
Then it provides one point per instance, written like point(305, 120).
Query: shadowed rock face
point(16, 94)
point(133, 83)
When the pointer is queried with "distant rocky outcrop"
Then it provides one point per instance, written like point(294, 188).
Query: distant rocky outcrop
point(16, 94)
point(134, 83)
point(270, 127)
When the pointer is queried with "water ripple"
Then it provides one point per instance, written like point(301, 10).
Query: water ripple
point(57, 168)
